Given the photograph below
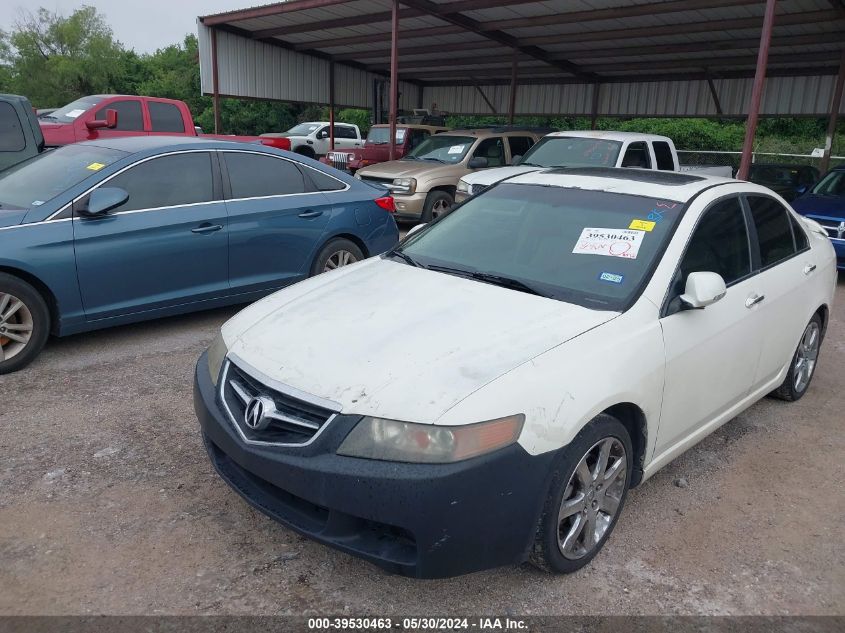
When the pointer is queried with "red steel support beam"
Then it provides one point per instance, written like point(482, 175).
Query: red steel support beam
point(834, 115)
point(394, 78)
point(331, 106)
point(757, 90)
point(215, 85)
point(512, 103)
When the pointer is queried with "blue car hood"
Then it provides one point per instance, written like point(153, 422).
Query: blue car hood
point(11, 217)
point(811, 204)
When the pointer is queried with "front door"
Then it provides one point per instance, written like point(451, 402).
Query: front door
point(165, 246)
point(711, 354)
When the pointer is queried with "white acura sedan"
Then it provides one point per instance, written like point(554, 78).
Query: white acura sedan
point(489, 391)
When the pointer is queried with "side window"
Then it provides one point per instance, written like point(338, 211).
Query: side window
point(166, 181)
point(719, 244)
point(321, 131)
point(774, 233)
point(637, 156)
point(164, 117)
point(799, 233)
point(11, 133)
point(129, 116)
point(417, 137)
point(323, 182)
point(493, 149)
point(663, 156)
point(257, 175)
point(344, 131)
point(519, 145)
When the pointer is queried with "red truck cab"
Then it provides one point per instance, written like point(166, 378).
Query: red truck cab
point(110, 116)
point(377, 147)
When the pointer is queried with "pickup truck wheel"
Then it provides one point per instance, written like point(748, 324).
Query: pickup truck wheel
point(436, 204)
point(803, 364)
point(586, 496)
point(304, 150)
point(24, 323)
point(336, 254)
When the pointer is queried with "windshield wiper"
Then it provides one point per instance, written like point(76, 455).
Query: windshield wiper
point(438, 160)
point(48, 116)
point(529, 165)
point(506, 282)
point(405, 258)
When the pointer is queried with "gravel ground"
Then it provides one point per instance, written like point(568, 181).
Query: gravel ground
point(109, 505)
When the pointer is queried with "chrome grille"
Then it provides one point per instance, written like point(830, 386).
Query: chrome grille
point(381, 181)
point(289, 421)
point(477, 189)
point(339, 160)
point(834, 231)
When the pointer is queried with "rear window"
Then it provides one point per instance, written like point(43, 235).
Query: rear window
point(663, 155)
point(43, 177)
point(774, 232)
point(165, 117)
point(260, 175)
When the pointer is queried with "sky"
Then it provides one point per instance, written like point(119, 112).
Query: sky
point(144, 25)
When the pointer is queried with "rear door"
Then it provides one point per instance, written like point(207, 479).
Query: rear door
point(166, 118)
point(165, 246)
point(345, 137)
point(276, 217)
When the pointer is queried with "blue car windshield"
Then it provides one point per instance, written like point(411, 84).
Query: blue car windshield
point(42, 178)
point(831, 185)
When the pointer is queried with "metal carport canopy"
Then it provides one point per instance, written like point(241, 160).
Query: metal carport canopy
point(640, 57)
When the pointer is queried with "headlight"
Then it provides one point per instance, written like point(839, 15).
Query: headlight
point(404, 185)
point(216, 355)
point(390, 440)
point(357, 175)
point(464, 186)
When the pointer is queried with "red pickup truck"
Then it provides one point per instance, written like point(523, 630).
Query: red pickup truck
point(110, 116)
point(377, 146)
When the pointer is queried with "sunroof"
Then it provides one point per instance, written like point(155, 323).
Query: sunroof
point(623, 173)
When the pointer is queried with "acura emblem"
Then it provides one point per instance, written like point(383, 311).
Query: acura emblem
point(257, 414)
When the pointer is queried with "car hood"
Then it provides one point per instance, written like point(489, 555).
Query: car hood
point(811, 204)
point(491, 176)
point(409, 169)
point(387, 339)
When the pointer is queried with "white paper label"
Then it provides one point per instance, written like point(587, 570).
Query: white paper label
point(74, 113)
point(611, 242)
point(456, 149)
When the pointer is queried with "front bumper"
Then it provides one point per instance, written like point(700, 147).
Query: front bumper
point(461, 196)
point(410, 206)
point(419, 520)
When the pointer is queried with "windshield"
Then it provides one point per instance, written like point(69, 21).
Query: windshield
point(303, 129)
point(381, 135)
point(591, 248)
point(771, 175)
point(571, 151)
point(43, 177)
point(831, 185)
point(442, 149)
point(71, 111)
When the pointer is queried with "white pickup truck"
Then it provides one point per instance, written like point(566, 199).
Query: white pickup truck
point(312, 139)
point(587, 148)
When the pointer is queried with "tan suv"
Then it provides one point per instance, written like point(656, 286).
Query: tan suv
point(423, 183)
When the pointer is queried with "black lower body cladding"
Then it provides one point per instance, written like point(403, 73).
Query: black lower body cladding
point(419, 520)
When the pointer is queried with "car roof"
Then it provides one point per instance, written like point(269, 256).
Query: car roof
point(495, 131)
point(611, 135)
point(668, 185)
point(134, 144)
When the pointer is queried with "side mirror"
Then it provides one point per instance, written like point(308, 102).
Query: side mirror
point(109, 122)
point(516, 159)
point(478, 162)
point(103, 200)
point(703, 289)
point(323, 134)
point(414, 229)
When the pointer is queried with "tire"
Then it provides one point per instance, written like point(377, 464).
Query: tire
point(604, 500)
point(336, 253)
point(24, 315)
point(436, 204)
point(802, 367)
point(304, 150)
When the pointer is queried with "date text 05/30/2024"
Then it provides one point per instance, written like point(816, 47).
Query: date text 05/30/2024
point(417, 624)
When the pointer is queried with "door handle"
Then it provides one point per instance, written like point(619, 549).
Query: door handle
point(207, 228)
point(753, 300)
point(809, 268)
point(310, 214)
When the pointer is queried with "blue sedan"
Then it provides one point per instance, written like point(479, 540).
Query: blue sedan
point(825, 203)
point(112, 232)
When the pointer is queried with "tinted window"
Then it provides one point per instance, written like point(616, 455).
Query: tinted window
point(833, 184)
point(256, 175)
point(164, 117)
point(323, 182)
point(800, 235)
point(493, 149)
point(166, 181)
point(719, 244)
point(11, 134)
point(520, 145)
point(417, 137)
point(637, 156)
point(774, 233)
point(129, 116)
point(663, 155)
point(344, 131)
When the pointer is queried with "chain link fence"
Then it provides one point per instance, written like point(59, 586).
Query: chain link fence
point(719, 158)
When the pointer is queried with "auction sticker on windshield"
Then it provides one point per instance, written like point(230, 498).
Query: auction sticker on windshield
point(623, 243)
point(456, 149)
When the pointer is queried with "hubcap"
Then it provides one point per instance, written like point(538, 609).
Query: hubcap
point(439, 208)
point(340, 259)
point(592, 497)
point(805, 359)
point(15, 326)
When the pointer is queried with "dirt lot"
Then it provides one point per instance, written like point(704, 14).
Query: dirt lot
point(109, 505)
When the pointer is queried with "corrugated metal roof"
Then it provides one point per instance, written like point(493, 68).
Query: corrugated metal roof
point(650, 56)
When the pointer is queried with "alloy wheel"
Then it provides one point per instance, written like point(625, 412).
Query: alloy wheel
point(439, 208)
point(339, 259)
point(592, 498)
point(15, 326)
point(805, 359)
